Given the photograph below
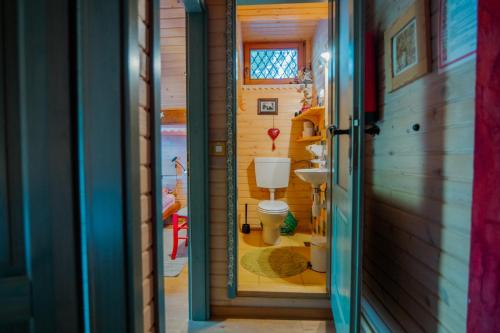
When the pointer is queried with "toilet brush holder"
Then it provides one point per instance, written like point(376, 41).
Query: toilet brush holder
point(246, 227)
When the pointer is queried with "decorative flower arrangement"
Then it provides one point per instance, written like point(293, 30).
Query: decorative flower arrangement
point(305, 79)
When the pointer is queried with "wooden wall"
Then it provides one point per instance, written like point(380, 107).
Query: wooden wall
point(145, 119)
point(173, 54)
point(253, 141)
point(418, 191)
point(483, 313)
point(218, 223)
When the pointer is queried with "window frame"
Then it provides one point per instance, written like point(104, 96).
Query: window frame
point(271, 46)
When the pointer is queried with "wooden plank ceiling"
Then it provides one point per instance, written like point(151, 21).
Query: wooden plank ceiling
point(280, 22)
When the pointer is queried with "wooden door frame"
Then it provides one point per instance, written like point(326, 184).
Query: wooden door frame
point(198, 191)
point(359, 134)
point(231, 134)
point(198, 194)
point(107, 148)
point(231, 166)
point(155, 130)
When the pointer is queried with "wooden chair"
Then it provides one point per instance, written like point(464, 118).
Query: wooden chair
point(177, 226)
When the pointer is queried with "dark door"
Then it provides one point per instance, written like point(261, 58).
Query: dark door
point(70, 246)
point(38, 261)
point(347, 135)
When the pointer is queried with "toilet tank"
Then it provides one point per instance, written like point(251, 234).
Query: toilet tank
point(272, 172)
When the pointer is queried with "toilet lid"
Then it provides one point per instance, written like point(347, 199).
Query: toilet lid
point(273, 206)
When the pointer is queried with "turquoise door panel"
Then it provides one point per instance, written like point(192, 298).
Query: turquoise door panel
point(341, 264)
point(346, 213)
point(199, 279)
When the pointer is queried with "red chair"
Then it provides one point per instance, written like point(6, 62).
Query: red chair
point(181, 214)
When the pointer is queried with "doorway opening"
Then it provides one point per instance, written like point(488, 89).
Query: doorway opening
point(282, 105)
point(174, 160)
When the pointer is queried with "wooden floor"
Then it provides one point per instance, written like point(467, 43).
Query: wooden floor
point(176, 302)
point(309, 282)
point(176, 292)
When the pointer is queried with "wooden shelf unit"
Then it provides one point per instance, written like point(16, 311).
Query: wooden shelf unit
point(310, 138)
point(316, 114)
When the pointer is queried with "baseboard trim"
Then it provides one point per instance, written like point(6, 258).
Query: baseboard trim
point(270, 313)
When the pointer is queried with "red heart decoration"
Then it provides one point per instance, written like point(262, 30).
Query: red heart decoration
point(273, 134)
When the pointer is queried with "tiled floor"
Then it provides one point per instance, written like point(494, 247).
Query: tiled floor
point(309, 281)
point(176, 292)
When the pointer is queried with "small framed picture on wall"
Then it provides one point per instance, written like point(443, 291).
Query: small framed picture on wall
point(267, 106)
point(407, 49)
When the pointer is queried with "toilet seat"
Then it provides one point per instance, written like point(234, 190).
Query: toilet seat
point(272, 207)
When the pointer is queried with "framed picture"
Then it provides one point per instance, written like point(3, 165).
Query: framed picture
point(407, 49)
point(267, 106)
point(457, 33)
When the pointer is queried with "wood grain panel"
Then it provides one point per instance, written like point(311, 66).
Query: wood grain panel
point(146, 179)
point(253, 141)
point(281, 22)
point(418, 191)
point(289, 11)
point(173, 54)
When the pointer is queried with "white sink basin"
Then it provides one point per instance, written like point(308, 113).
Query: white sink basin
point(315, 177)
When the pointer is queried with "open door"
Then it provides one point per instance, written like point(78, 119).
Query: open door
point(68, 173)
point(347, 128)
point(38, 258)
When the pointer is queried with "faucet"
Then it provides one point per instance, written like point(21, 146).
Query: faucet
point(309, 163)
point(318, 151)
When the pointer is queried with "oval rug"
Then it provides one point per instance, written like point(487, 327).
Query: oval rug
point(279, 262)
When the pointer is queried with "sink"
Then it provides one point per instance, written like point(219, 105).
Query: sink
point(315, 177)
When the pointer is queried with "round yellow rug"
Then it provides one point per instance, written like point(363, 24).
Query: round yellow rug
point(279, 262)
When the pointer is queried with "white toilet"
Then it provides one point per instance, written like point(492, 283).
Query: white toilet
point(272, 173)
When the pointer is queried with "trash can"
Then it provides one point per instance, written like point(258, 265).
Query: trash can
point(318, 254)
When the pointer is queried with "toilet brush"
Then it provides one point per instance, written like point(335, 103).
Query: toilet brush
point(246, 227)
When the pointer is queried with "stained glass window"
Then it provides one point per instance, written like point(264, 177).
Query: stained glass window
point(274, 64)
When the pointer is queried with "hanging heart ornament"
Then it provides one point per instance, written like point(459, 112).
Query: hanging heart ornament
point(273, 134)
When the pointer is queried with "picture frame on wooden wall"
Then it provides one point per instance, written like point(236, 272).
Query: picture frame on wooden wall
point(267, 106)
point(407, 46)
point(457, 32)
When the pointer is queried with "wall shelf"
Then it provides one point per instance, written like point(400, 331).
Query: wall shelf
point(314, 114)
point(310, 138)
